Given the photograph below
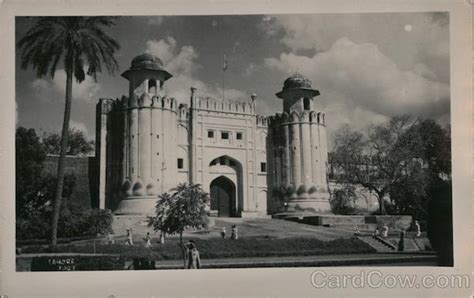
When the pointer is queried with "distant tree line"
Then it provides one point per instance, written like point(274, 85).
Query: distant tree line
point(77, 143)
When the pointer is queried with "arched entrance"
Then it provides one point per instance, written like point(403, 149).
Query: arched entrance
point(223, 197)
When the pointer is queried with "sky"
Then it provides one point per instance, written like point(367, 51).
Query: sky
point(367, 67)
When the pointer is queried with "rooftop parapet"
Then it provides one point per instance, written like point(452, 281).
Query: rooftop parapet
point(283, 118)
point(212, 104)
point(146, 100)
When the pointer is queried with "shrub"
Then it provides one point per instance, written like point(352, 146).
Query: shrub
point(98, 221)
point(342, 201)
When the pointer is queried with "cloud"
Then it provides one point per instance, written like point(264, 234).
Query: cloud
point(54, 90)
point(427, 42)
point(359, 84)
point(182, 64)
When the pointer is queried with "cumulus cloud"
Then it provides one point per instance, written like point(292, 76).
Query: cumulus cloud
point(358, 84)
point(427, 42)
point(182, 63)
point(54, 90)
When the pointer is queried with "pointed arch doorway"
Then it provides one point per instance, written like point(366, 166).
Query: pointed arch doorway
point(223, 197)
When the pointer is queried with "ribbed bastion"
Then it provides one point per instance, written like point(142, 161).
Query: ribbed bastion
point(299, 149)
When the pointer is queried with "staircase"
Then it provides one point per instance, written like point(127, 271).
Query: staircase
point(378, 244)
point(390, 244)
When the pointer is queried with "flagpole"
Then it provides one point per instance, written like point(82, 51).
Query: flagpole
point(224, 68)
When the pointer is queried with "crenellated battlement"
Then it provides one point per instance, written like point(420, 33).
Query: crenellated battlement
point(218, 105)
point(146, 101)
point(305, 117)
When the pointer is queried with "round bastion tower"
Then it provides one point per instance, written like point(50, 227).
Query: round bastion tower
point(149, 137)
point(300, 149)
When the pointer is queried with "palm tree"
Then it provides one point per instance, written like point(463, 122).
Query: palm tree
point(78, 42)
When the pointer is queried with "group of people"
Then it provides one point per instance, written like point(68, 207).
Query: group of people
point(191, 253)
point(233, 236)
point(384, 233)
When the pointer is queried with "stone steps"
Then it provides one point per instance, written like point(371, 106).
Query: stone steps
point(376, 244)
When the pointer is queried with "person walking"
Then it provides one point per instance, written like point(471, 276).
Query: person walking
point(129, 237)
point(401, 242)
point(147, 240)
point(417, 228)
point(194, 260)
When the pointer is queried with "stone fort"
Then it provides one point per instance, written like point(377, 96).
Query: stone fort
point(147, 143)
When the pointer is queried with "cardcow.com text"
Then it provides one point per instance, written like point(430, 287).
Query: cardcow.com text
point(377, 279)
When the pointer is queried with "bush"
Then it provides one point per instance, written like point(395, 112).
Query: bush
point(342, 201)
point(98, 221)
point(72, 223)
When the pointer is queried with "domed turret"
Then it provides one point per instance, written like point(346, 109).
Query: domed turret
point(146, 75)
point(297, 94)
point(297, 82)
point(149, 63)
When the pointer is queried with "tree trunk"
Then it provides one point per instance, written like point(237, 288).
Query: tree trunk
point(182, 249)
point(381, 203)
point(62, 157)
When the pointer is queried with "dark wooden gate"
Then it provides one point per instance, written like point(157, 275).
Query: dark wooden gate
point(223, 197)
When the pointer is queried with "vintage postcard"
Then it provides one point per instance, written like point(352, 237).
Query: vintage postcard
point(244, 148)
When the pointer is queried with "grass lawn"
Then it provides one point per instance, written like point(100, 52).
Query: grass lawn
point(218, 248)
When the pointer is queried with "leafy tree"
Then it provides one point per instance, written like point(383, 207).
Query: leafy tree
point(404, 158)
point(77, 42)
point(372, 160)
point(35, 209)
point(429, 146)
point(77, 143)
point(30, 155)
point(184, 208)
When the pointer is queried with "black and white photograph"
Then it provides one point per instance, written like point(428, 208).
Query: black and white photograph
point(235, 141)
